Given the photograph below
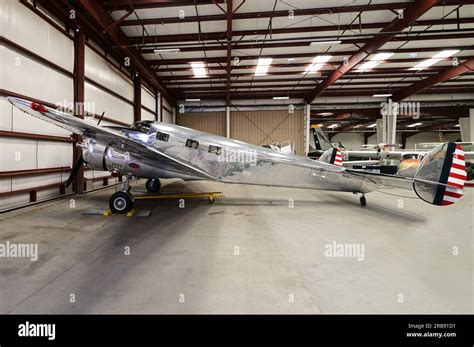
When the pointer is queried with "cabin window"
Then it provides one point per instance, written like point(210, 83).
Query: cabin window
point(215, 149)
point(163, 137)
point(192, 144)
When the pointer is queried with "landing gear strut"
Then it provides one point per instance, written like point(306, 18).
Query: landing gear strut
point(153, 185)
point(363, 201)
point(122, 201)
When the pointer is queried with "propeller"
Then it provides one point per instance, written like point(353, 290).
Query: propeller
point(75, 170)
point(100, 119)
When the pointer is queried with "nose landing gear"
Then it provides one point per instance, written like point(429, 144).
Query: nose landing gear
point(122, 201)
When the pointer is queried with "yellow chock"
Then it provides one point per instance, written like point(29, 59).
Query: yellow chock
point(107, 213)
point(131, 213)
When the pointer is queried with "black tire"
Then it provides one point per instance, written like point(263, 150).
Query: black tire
point(121, 202)
point(363, 201)
point(153, 185)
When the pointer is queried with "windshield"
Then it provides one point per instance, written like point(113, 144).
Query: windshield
point(142, 126)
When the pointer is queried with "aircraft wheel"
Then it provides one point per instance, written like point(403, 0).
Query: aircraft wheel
point(153, 185)
point(121, 202)
point(363, 201)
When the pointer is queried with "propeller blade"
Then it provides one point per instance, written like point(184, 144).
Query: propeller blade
point(75, 170)
point(100, 119)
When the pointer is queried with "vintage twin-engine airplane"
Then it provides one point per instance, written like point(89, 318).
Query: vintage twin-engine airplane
point(155, 150)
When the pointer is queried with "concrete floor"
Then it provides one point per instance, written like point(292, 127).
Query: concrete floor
point(250, 253)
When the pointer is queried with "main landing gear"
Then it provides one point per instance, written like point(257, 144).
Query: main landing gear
point(153, 185)
point(363, 201)
point(122, 201)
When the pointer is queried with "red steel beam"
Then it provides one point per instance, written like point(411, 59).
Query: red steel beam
point(211, 36)
point(103, 20)
point(410, 15)
point(443, 76)
point(230, 12)
point(406, 71)
point(116, 5)
point(297, 93)
point(217, 60)
point(79, 89)
point(345, 41)
point(137, 99)
point(283, 13)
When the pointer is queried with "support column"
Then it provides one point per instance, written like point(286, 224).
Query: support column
point(392, 128)
point(307, 125)
point(380, 131)
point(137, 99)
point(159, 108)
point(227, 122)
point(467, 127)
point(79, 83)
point(174, 114)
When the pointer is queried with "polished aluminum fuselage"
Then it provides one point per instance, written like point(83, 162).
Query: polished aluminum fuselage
point(232, 161)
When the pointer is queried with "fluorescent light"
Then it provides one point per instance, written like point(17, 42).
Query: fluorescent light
point(435, 59)
point(374, 61)
point(372, 125)
point(446, 53)
point(263, 65)
point(335, 42)
point(381, 95)
point(189, 100)
point(457, 126)
point(167, 50)
point(325, 114)
point(199, 69)
point(332, 126)
point(318, 63)
point(281, 97)
point(414, 125)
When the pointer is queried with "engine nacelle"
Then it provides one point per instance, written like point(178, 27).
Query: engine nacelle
point(93, 154)
point(104, 158)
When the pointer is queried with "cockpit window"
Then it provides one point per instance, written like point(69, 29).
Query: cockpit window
point(192, 144)
point(162, 137)
point(142, 126)
point(214, 149)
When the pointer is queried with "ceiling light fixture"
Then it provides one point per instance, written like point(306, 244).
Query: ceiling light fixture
point(263, 65)
point(414, 125)
point(372, 125)
point(335, 42)
point(281, 97)
point(190, 100)
point(374, 61)
point(166, 50)
point(381, 95)
point(435, 59)
point(318, 63)
point(332, 126)
point(199, 69)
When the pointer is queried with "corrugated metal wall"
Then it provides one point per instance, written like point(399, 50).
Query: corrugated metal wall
point(108, 89)
point(209, 122)
point(266, 127)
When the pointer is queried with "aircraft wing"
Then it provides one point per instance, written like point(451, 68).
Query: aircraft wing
point(140, 146)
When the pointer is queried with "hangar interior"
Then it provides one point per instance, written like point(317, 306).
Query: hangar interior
point(261, 72)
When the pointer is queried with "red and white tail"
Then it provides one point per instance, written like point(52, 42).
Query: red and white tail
point(456, 178)
point(440, 178)
point(332, 156)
